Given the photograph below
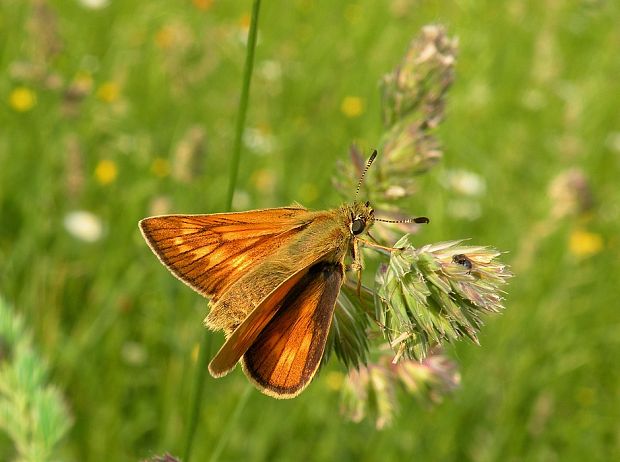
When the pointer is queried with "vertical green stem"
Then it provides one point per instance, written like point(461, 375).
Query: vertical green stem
point(221, 444)
point(243, 103)
point(203, 357)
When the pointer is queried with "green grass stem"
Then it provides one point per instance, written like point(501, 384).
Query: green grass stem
point(204, 354)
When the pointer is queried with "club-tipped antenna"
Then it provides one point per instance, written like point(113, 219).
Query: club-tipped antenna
point(420, 220)
point(368, 164)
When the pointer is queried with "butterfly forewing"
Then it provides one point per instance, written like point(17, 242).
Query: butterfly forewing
point(210, 252)
point(287, 352)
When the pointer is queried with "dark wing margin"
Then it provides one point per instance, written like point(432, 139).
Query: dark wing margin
point(286, 354)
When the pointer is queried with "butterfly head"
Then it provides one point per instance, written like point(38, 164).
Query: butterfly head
point(362, 216)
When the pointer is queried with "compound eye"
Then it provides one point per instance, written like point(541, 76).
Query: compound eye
point(358, 225)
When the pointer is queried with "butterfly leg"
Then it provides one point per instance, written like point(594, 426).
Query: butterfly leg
point(357, 265)
point(376, 241)
point(377, 246)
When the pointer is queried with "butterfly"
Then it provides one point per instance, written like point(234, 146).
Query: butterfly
point(272, 276)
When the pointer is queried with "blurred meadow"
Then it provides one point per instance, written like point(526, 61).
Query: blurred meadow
point(111, 111)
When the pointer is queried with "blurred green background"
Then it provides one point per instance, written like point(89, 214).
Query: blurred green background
point(111, 111)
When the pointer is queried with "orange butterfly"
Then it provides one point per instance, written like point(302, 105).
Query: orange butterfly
point(272, 276)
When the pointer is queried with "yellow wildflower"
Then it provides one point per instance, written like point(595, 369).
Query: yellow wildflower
point(202, 4)
point(352, 106)
point(334, 380)
point(160, 167)
point(585, 244)
point(22, 99)
point(108, 92)
point(244, 21)
point(164, 38)
point(264, 180)
point(106, 171)
point(195, 352)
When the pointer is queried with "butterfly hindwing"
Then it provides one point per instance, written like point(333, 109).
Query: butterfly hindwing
point(243, 336)
point(286, 354)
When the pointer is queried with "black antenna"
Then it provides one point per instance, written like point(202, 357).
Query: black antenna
point(368, 164)
point(421, 220)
